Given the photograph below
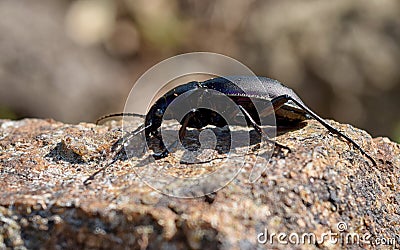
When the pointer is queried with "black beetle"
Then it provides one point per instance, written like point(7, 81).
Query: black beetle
point(242, 90)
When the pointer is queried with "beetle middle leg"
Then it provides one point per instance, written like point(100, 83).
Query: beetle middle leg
point(259, 129)
point(185, 123)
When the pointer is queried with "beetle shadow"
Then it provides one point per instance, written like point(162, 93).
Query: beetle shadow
point(191, 142)
point(61, 152)
point(283, 129)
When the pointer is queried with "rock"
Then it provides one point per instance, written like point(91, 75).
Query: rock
point(323, 185)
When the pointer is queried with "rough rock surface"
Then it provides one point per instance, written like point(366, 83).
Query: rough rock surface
point(323, 181)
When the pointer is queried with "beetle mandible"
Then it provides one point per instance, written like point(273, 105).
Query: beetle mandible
point(286, 104)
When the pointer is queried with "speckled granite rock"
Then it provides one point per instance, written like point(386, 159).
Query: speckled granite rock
point(323, 181)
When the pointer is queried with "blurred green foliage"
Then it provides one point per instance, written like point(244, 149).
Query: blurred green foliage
point(396, 132)
point(7, 113)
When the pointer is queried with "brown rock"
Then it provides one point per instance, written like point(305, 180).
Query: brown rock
point(322, 182)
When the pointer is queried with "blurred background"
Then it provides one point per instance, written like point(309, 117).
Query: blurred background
point(76, 60)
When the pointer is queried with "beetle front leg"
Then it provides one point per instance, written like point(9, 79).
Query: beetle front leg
point(116, 150)
point(181, 134)
point(164, 153)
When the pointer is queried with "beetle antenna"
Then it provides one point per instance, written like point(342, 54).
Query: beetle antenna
point(118, 114)
point(332, 129)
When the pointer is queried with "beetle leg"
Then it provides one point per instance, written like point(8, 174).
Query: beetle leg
point(120, 143)
point(161, 155)
point(182, 133)
point(259, 129)
point(164, 152)
point(277, 102)
point(117, 147)
point(157, 135)
point(182, 130)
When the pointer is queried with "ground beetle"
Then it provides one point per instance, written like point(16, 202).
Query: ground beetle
point(287, 105)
